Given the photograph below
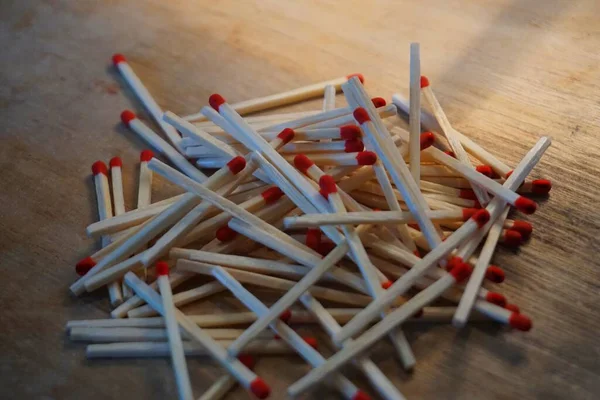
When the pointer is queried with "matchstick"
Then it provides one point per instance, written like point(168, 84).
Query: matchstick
point(105, 211)
point(281, 99)
point(175, 345)
point(361, 158)
point(159, 144)
point(246, 377)
point(145, 334)
point(115, 293)
point(307, 352)
point(146, 99)
point(415, 112)
point(450, 134)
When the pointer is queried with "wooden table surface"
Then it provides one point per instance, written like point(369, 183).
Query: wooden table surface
point(505, 71)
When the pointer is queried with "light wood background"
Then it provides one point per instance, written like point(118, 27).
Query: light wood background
point(505, 71)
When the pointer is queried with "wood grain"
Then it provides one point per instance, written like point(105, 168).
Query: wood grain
point(505, 72)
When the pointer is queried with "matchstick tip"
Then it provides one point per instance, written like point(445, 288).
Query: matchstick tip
point(225, 234)
point(247, 360)
point(215, 101)
point(450, 153)
point(424, 81)
point(99, 168)
point(541, 186)
point(453, 262)
point(115, 162)
point(513, 307)
point(311, 341)
point(349, 132)
point(467, 194)
point(468, 213)
point(146, 155)
point(327, 185)
point(520, 322)
point(523, 227)
point(485, 170)
point(360, 395)
point(418, 314)
point(386, 285)
point(525, 205)
point(378, 102)
point(118, 58)
point(360, 77)
point(236, 164)
point(427, 139)
point(260, 388)
point(509, 173)
point(286, 135)
point(127, 116)
point(325, 248)
point(353, 146)
point(303, 163)
point(461, 272)
point(313, 238)
point(361, 116)
point(83, 266)
point(271, 195)
point(495, 274)
point(162, 268)
point(481, 217)
point(496, 298)
point(285, 316)
point(366, 158)
point(417, 253)
point(512, 238)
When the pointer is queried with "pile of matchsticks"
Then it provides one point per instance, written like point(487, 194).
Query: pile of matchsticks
point(339, 207)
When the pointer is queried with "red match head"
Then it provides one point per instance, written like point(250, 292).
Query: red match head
point(386, 285)
point(327, 185)
point(115, 162)
point(541, 186)
point(481, 217)
point(313, 238)
point(427, 139)
point(215, 101)
point(485, 170)
point(496, 298)
point(419, 313)
point(453, 262)
point(353, 146)
point(285, 316)
point(360, 395)
point(325, 248)
point(286, 135)
point(271, 195)
point(494, 274)
point(236, 164)
point(118, 58)
point(303, 163)
point(512, 238)
point(417, 253)
point(226, 234)
point(83, 266)
point(360, 77)
point(424, 81)
point(146, 155)
point(127, 116)
point(513, 307)
point(468, 213)
point(523, 227)
point(509, 173)
point(461, 272)
point(260, 388)
point(311, 341)
point(525, 205)
point(378, 102)
point(467, 194)
point(247, 360)
point(361, 116)
point(366, 158)
point(162, 268)
point(99, 168)
point(349, 132)
point(450, 153)
point(520, 322)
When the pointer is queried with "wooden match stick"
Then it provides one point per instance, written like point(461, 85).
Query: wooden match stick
point(146, 98)
point(160, 145)
point(415, 112)
point(143, 334)
point(175, 344)
point(361, 158)
point(246, 377)
point(115, 293)
point(281, 99)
